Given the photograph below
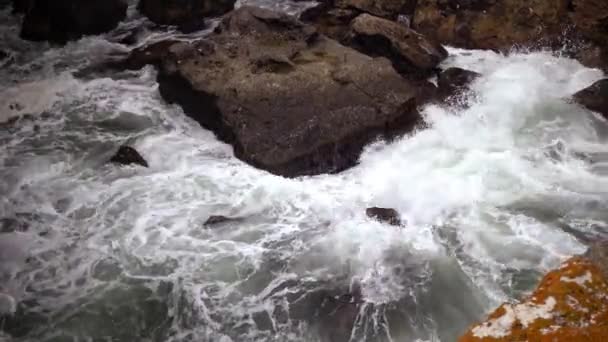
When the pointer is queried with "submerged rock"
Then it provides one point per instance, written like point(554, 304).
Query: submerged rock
point(127, 155)
point(63, 20)
point(409, 51)
point(454, 81)
point(183, 12)
point(595, 97)
point(289, 100)
point(390, 216)
point(382, 8)
point(570, 304)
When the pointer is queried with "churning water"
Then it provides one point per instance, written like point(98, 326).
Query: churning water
point(499, 188)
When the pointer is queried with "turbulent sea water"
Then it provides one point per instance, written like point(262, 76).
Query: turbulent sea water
point(499, 188)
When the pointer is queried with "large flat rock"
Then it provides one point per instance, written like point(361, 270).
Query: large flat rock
point(289, 100)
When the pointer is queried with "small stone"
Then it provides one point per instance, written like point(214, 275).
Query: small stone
point(385, 215)
point(127, 155)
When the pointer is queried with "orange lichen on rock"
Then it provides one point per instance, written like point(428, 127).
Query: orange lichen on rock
point(570, 304)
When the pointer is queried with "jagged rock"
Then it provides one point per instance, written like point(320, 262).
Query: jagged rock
point(127, 155)
point(453, 81)
point(63, 20)
point(382, 8)
point(332, 22)
point(595, 97)
point(216, 219)
point(409, 51)
point(570, 304)
point(491, 24)
point(289, 100)
point(183, 12)
point(390, 216)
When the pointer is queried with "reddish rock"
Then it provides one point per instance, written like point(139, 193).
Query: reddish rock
point(570, 304)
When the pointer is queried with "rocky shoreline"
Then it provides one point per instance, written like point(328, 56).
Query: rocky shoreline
point(304, 96)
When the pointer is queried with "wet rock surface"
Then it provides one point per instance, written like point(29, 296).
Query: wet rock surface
point(127, 155)
point(595, 97)
point(382, 8)
point(62, 20)
point(289, 100)
point(410, 52)
point(454, 82)
point(385, 215)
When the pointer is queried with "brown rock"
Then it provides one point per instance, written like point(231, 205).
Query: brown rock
point(570, 304)
point(332, 22)
point(127, 155)
point(390, 216)
point(595, 97)
point(183, 12)
point(63, 20)
point(410, 51)
point(591, 19)
point(491, 24)
point(382, 8)
point(289, 100)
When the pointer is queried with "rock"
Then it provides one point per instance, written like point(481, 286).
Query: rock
point(12, 225)
point(491, 24)
point(454, 81)
point(595, 97)
point(152, 54)
point(593, 56)
point(390, 216)
point(22, 6)
point(127, 155)
point(63, 20)
point(409, 51)
point(382, 8)
point(598, 254)
point(289, 100)
point(332, 22)
point(591, 19)
point(183, 12)
point(570, 304)
point(216, 219)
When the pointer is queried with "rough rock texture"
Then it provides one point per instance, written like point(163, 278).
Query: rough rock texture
point(454, 81)
point(63, 20)
point(381, 8)
point(591, 19)
point(332, 22)
point(598, 254)
point(127, 155)
point(410, 51)
point(289, 100)
point(595, 97)
point(570, 304)
point(491, 24)
point(390, 216)
point(182, 12)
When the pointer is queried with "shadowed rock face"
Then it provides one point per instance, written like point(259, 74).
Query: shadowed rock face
point(595, 97)
point(491, 24)
point(381, 8)
point(127, 155)
point(289, 100)
point(409, 51)
point(63, 20)
point(183, 12)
